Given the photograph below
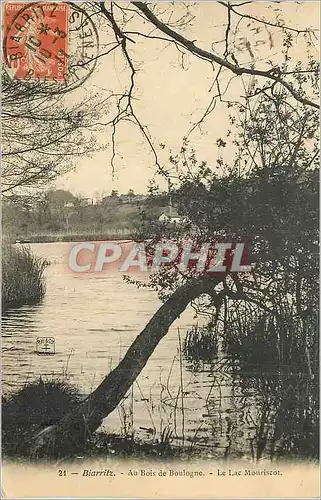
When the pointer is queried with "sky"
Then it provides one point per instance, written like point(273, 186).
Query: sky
point(169, 98)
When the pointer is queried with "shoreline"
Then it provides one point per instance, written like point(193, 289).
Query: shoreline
point(114, 235)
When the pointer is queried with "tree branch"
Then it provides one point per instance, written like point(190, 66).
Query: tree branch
point(211, 57)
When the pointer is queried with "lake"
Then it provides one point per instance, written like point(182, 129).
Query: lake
point(94, 318)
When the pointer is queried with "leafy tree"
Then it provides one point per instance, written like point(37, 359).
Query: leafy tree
point(59, 198)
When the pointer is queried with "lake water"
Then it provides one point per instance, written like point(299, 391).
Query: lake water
point(94, 318)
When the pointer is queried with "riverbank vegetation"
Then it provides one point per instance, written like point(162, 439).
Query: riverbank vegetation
point(274, 356)
point(58, 215)
point(22, 276)
point(74, 236)
point(42, 403)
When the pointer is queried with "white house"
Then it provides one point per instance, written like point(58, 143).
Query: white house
point(171, 216)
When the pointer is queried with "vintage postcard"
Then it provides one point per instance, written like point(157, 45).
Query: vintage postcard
point(160, 216)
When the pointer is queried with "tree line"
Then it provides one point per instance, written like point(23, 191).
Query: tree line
point(58, 210)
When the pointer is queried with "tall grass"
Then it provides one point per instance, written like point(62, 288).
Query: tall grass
point(273, 356)
point(22, 276)
point(273, 341)
point(276, 354)
point(200, 345)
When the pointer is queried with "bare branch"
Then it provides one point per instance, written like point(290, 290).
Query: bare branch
point(273, 74)
point(232, 8)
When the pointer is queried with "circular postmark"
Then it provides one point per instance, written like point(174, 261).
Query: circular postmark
point(54, 43)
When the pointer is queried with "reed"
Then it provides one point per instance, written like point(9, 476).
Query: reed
point(200, 345)
point(22, 276)
point(275, 353)
point(272, 341)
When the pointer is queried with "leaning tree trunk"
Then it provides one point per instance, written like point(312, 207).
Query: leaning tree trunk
point(75, 427)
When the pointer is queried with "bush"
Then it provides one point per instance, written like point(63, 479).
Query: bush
point(31, 409)
point(22, 276)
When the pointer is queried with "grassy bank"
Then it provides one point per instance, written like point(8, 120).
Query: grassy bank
point(42, 403)
point(22, 276)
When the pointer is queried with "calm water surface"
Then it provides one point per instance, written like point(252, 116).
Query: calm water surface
point(94, 318)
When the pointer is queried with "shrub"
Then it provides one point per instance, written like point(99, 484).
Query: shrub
point(29, 410)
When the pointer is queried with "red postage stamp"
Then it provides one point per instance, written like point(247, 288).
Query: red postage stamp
point(35, 40)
